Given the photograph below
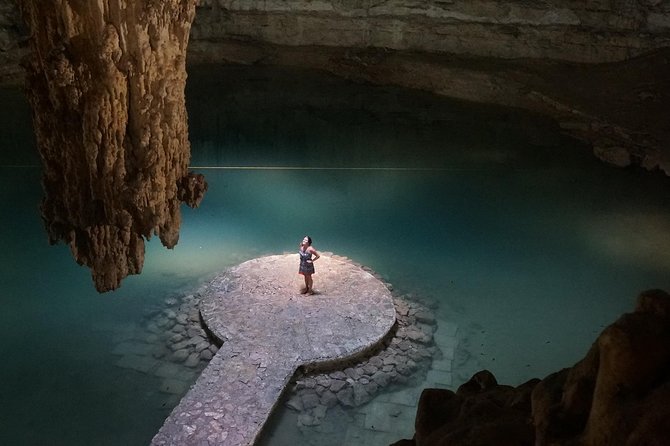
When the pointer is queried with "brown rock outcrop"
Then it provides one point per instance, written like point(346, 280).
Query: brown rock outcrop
point(106, 80)
point(619, 394)
point(481, 412)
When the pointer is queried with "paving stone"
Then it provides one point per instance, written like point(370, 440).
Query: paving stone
point(351, 373)
point(180, 345)
point(178, 337)
point(323, 380)
point(306, 419)
point(178, 328)
point(319, 411)
point(196, 331)
point(391, 360)
point(295, 403)
point(320, 389)
point(346, 397)
point(371, 387)
point(310, 400)
point(376, 361)
point(180, 355)
point(370, 369)
point(336, 385)
point(193, 360)
point(338, 375)
point(309, 383)
point(202, 345)
point(403, 369)
point(361, 396)
point(329, 399)
point(381, 378)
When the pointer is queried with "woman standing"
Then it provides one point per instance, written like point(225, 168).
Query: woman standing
point(306, 252)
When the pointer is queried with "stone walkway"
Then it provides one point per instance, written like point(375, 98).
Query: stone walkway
point(269, 330)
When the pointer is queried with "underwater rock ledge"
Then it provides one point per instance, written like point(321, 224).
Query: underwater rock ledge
point(619, 394)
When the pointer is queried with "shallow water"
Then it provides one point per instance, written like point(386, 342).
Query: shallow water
point(528, 244)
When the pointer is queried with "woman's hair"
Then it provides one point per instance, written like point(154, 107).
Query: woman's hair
point(309, 240)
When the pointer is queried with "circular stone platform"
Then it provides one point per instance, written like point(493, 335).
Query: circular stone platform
point(270, 330)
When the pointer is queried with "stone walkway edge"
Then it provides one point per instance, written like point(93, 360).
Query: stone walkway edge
point(270, 332)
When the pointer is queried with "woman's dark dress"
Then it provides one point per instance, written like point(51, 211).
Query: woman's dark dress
point(306, 264)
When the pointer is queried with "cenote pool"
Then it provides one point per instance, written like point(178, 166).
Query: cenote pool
point(528, 245)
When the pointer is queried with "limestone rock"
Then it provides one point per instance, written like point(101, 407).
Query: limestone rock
point(619, 394)
point(346, 397)
point(180, 355)
point(618, 156)
point(596, 31)
point(480, 412)
point(295, 403)
point(329, 399)
point(193, 360)
point(106, 84)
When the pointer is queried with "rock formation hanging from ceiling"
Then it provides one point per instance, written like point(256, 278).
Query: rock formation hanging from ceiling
point(105, 79)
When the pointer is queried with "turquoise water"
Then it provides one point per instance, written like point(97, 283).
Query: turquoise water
point(526, 242)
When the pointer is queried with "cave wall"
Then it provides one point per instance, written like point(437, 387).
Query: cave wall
point(574, 30)
point(12, 36)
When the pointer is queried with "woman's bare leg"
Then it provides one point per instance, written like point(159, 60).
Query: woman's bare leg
point(310, 283)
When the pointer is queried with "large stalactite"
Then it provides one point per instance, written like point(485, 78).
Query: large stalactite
point(105, 79)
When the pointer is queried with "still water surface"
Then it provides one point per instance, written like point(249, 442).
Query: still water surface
point(527, 243)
